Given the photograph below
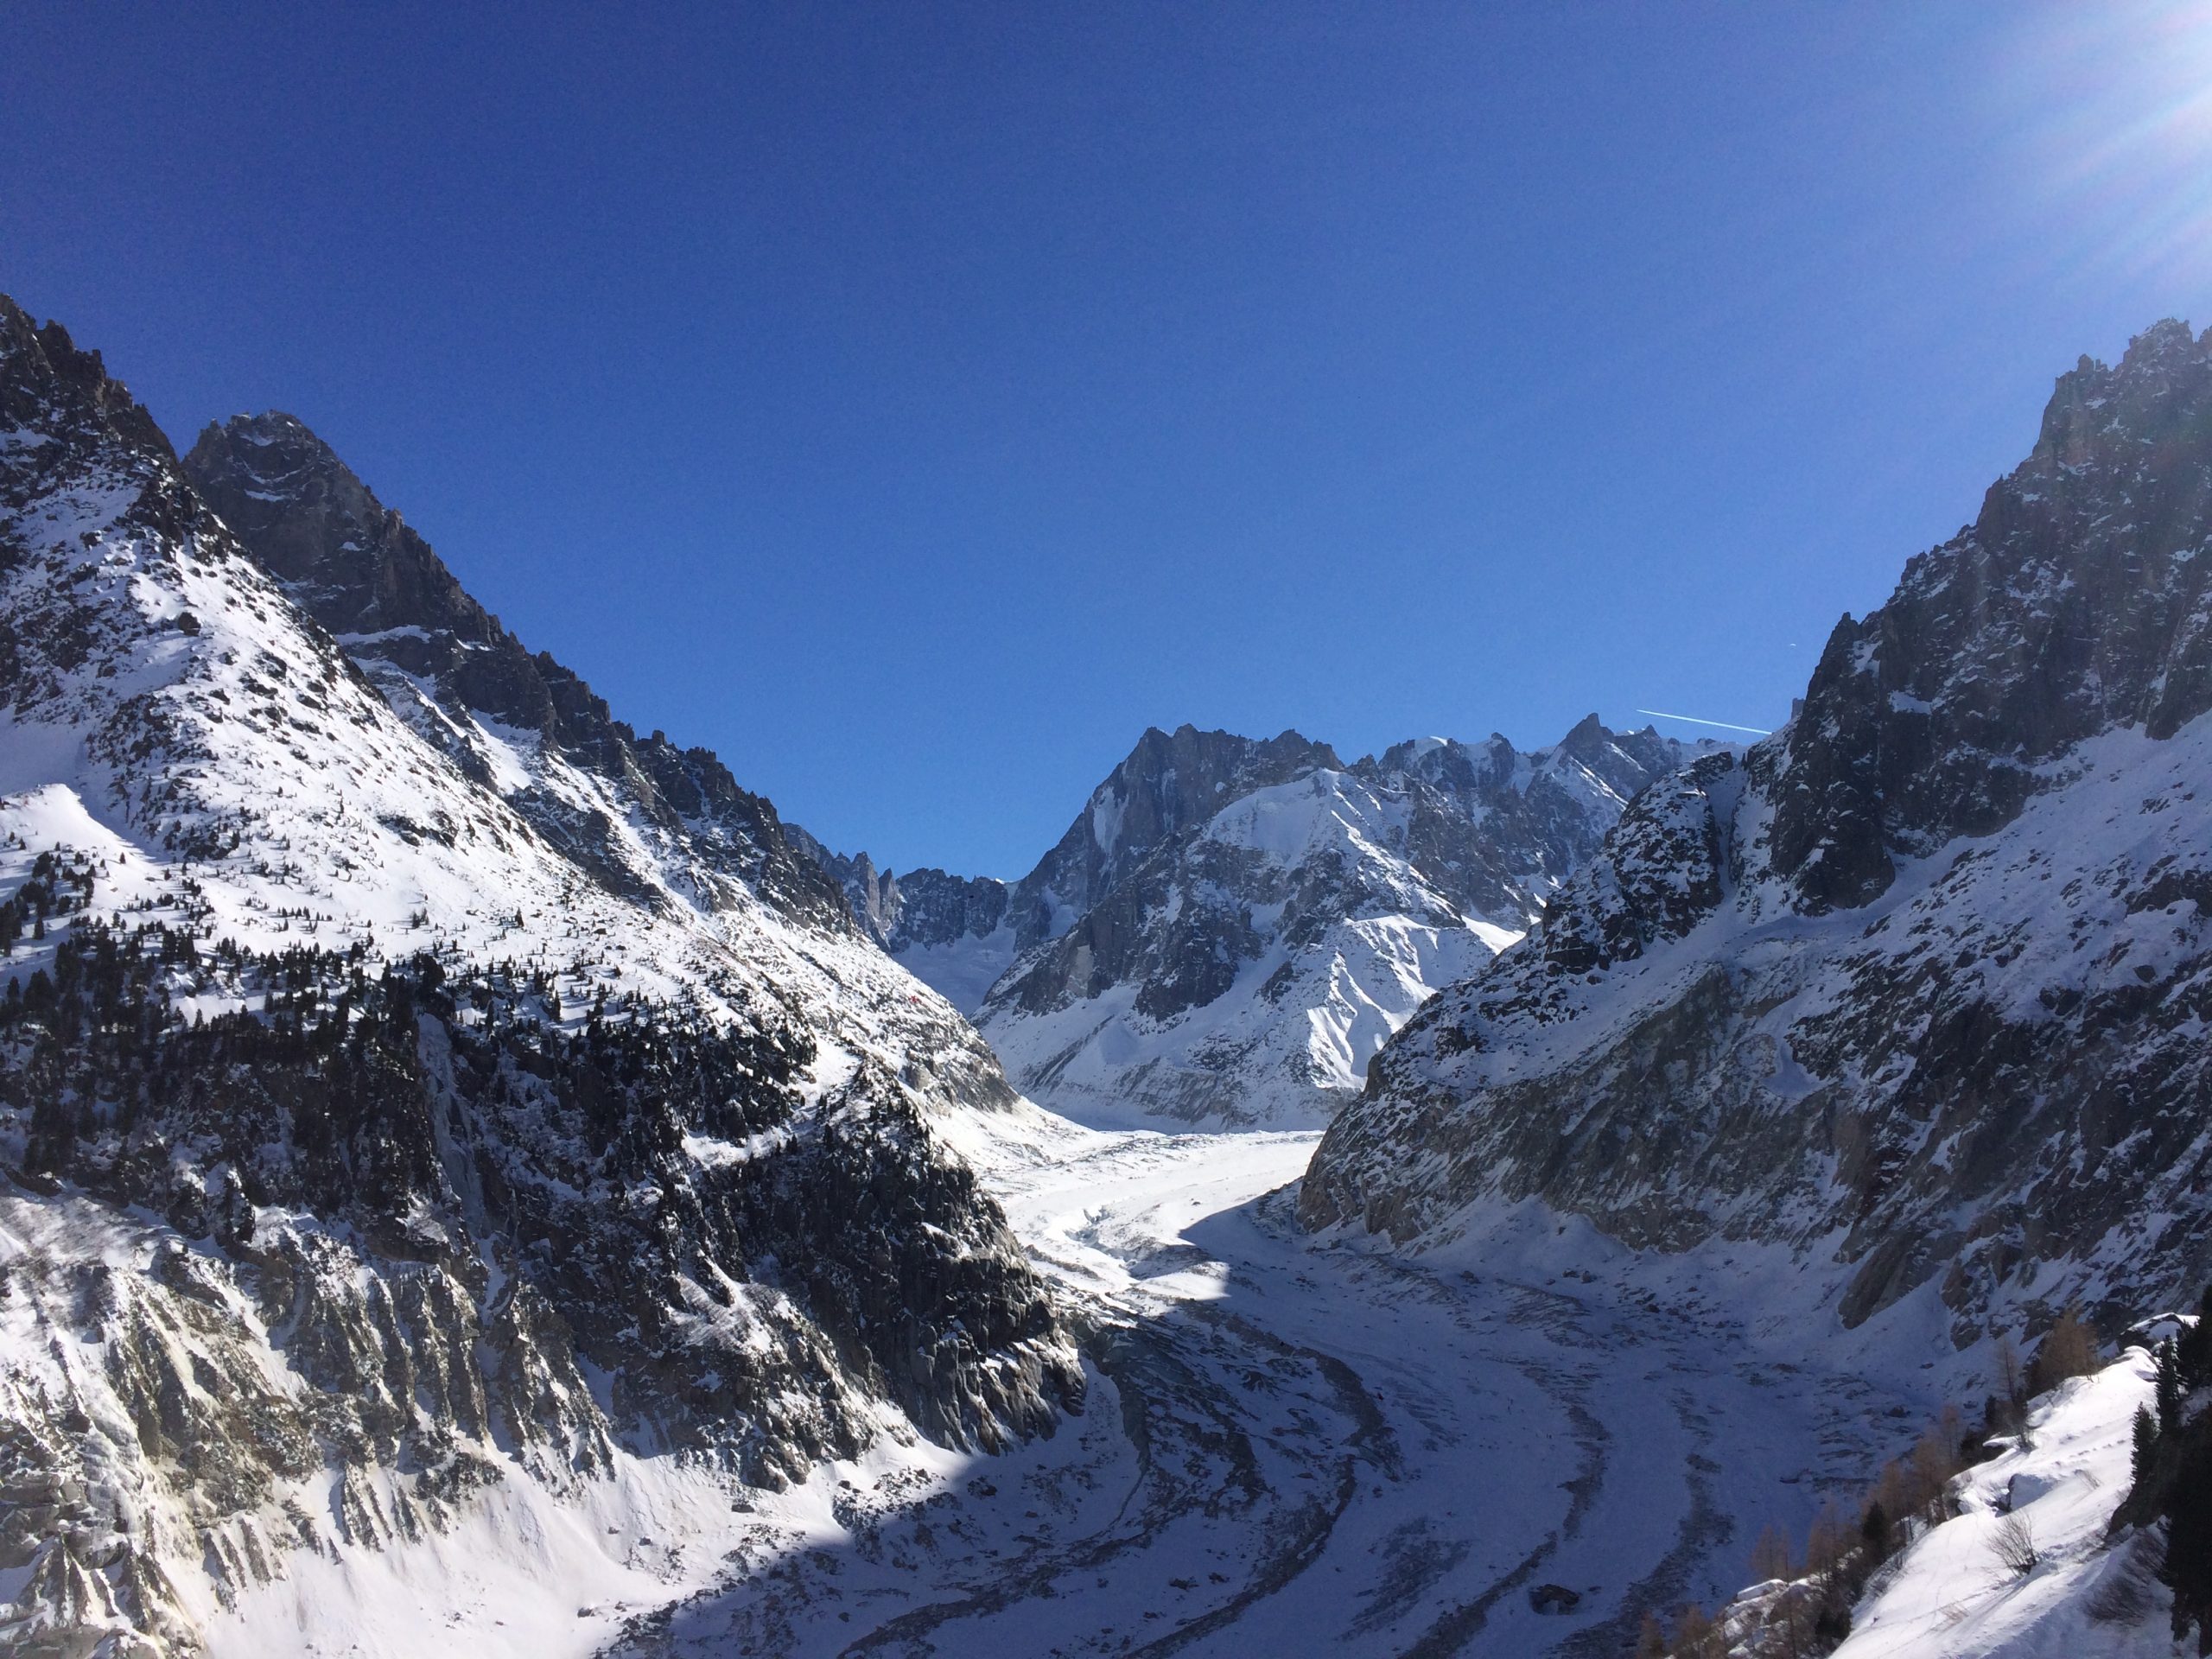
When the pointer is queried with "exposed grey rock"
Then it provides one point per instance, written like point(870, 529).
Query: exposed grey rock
point(1259, 917)
point(922, 908)
point(309, 1246)
point(1172, 784)
point(938, 908)
point(1917, 986)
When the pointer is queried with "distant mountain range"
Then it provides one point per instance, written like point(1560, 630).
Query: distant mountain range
point(1232, 927)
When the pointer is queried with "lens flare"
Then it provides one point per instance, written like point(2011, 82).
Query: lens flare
point(2115, 100)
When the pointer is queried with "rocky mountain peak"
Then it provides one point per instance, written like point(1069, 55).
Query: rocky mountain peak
point(2094, 404)
point(1455, 765)
point(50, 387)
point(355, 565)
point(1233, 924)
point(1171, 783)
point(1587, 738)
point(363, 573)
point(1915, 988)
point(344, 556)
point(2077, 601)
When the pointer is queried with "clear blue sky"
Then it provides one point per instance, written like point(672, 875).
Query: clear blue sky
point(913, 403)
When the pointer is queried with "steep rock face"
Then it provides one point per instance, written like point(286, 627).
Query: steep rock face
point(1918, 987)
point(949, 931)
point(921, 908)
point(371, 1146)
point(1172, 784)
point(358, 569)
point(1498, 830)
point(1258, 924)
point(935, 908)
point(2075, 603)
point(872, 897)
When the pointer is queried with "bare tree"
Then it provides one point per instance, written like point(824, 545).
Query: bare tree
point(1828, 1543)
point(2068, 1348)
point(1693, 1632)
point(1896, 1492)
point(2014, 1546)
point(1771, 1556)
point(2012, 1377)
point(1935, 1460)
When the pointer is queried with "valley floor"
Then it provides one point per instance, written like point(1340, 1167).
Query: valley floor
point(1296, 1448)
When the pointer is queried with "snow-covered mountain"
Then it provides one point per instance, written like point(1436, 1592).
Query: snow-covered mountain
point(421, 1100)
point(1232, 927)
point(1242, 956)
point(950, 931)
point(1915, 989)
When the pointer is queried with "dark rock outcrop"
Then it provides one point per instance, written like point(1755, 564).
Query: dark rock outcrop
point(1917, 986)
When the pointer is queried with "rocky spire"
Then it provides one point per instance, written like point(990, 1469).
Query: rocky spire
point(2081, 598)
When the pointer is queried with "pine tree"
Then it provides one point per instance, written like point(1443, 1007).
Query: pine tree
point(2011, 1379)
point(1874, 1527)
point(2146, 1445)
point(2170, 1391)
point(2188, 1569)
point(2193, 1350)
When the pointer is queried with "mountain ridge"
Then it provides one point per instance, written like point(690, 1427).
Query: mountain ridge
point(408, 1116)
point(360, 570)
point(1122, 973)
point(1920, 972)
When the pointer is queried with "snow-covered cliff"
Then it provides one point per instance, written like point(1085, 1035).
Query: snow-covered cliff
point(1918, 986)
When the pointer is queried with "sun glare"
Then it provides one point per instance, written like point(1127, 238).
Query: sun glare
point(2117, 103)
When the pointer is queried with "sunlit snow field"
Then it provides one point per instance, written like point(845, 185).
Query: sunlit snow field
point(1290, 1446)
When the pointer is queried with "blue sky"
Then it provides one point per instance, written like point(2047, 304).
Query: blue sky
point(912, 403)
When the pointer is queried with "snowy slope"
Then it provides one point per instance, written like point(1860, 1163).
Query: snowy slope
point(1332, 1450)
point(549, 1119)
point(2046, 1502)
point(1243, 962)
point(1951, 1596)
point(1268, 958)
point(1917, 989)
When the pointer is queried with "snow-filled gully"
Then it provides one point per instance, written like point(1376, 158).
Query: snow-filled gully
point(1295, 1448)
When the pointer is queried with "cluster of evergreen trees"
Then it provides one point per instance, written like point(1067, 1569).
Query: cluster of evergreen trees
point(1847, 1544)
point(55, 887)
point(2173, 1473)
point(423, 1107)
point(319, 1052)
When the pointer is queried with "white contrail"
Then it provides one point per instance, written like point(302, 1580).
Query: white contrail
point(1725, 725)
